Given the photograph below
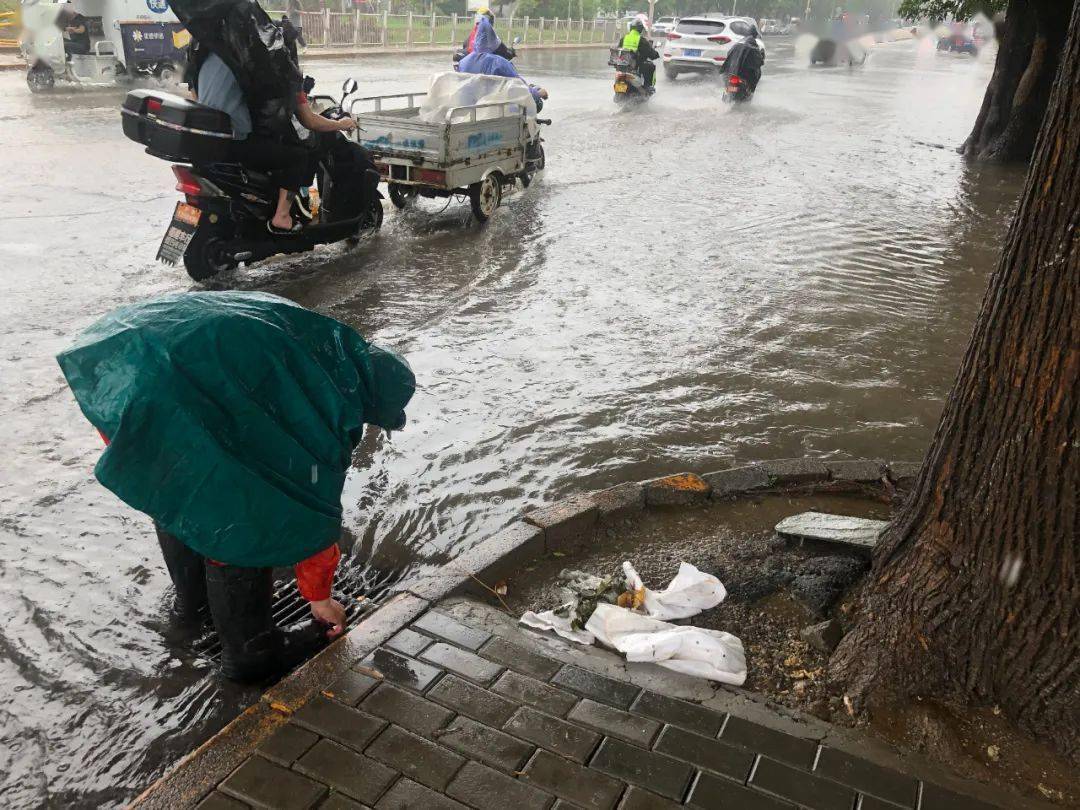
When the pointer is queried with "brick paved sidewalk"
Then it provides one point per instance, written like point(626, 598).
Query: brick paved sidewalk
point(474, 712)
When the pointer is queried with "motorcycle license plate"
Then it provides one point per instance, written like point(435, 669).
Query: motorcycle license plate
point(691, 51)
point(184, 222)
point(620, 87)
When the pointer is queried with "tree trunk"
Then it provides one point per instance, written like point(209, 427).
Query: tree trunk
point(1030, 44)
point(975, 593)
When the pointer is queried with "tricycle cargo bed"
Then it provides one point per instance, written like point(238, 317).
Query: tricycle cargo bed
point(473, 136)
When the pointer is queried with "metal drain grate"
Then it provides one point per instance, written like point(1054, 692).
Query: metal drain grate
point(360, 590)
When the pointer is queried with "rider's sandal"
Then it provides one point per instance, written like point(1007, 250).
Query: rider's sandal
point(282, 231)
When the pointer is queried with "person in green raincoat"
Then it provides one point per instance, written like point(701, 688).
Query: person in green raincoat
point(230, 419)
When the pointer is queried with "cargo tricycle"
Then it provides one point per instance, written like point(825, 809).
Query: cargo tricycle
point(474, 150)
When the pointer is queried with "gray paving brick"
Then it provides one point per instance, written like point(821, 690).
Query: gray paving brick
point(339, 801)
point(565, 739)
point(797, 786)
point(486, 789)
point(679, 713)
point(406, 709)
point(658, 772)
point(485, 744)
point(402, 670)
point(630, 727)
point(466, 664)
point(935, 797)
point(520, 659)
point(715, 793)
point(346, 771)
point(637, 799)
point(338, 722)
point(776, 744)
point(866, 777)
point(436, 624)
point(471, 700)
point(706, 752)
point(598, 687)
point(219, 801)
point(287, 743)
point(523, 689)
point(260, 782)
point(351, 687)
point(409, 642)
point(417, 758)
point(407, 795)
point(567, 780)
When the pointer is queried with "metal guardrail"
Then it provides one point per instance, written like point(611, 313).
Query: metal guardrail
point(331, 29)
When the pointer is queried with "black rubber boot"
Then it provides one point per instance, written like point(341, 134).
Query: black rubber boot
point(187, 571)
point(240, 603)
point(253, 649)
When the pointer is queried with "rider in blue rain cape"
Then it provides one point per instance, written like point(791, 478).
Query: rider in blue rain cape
point(485, 61)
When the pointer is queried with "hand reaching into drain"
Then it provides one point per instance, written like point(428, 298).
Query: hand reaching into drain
point(330, 612)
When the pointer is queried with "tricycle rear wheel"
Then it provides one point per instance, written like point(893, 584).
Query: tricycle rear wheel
point(485, 196)
point(402, 196)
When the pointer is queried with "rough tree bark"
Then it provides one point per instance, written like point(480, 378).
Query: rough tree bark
point(975, 592)
point(1030, 39)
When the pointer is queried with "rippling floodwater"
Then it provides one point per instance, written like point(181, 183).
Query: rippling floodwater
point(688, 286)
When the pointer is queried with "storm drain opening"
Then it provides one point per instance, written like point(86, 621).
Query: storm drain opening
point(359, 589)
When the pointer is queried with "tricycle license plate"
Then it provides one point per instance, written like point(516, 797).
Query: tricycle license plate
point(184, 222)
point(620, 87)
point(691, 51)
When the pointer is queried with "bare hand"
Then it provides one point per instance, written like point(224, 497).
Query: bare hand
point(331, 612)
point(346, 124)
point(543, 94)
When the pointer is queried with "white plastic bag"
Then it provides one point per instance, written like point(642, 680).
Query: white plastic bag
point(689, 593)
point(697, 651)
point(549, 620)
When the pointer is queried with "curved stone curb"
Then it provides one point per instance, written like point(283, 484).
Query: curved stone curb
point(565, 525)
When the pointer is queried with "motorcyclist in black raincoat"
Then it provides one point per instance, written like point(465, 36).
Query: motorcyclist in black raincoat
point(745, 60)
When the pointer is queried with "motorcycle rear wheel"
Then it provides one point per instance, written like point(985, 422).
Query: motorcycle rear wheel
point(402, 196)
point(205, 256)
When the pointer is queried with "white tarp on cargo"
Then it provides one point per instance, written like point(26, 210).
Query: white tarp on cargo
point(451, 90)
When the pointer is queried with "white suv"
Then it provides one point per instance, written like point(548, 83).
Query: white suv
point(701, 44)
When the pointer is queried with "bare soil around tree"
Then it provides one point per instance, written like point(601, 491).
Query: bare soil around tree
point(776, 589)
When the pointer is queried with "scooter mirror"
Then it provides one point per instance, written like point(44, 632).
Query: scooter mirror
point(517, 40)
point(349, 87)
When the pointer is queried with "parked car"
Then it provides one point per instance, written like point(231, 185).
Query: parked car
point(790, 29)
point(663, 26)
point(701, 44)
point(770, 27)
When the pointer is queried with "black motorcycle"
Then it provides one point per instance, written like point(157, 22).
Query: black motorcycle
point(629, 80)
point(223, 218)
point(736, 89)
point(742, 72)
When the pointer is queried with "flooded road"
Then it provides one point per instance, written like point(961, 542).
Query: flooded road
point(687, 286)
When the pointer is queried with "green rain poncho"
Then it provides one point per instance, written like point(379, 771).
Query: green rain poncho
point(231, 417)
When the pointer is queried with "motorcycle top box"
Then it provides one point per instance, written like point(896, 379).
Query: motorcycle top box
point(175, 128)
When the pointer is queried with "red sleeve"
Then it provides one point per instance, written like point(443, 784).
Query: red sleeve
point(301, 99)
point(315, 575)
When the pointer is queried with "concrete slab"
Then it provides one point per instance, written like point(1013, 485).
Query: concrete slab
point(860, 534)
